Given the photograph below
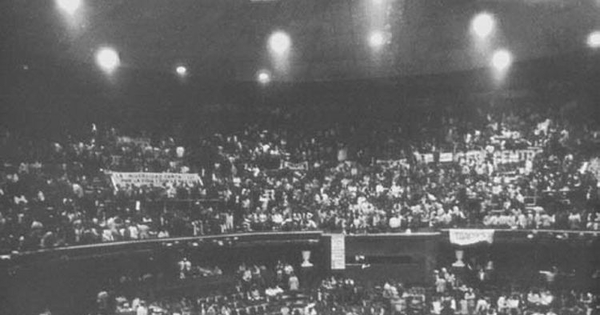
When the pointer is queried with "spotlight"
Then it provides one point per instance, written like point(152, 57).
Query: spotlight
point(376, 39)
point(263, 77)
point(280, 42)
point(593, 39)
point(107, 59)
point(181, 71)
point(483, 24)
point(502, 59)
point(69, 6)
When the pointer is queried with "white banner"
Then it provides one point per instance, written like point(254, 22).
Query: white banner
point(393, 163)
point(445, 157)
point(135, 141)
point(303, 166)
point(424, 158)
point(338, 252)
point(477, 155)
point(516, 156)
point(152, 179)
point(470, 236)
point(499, 157)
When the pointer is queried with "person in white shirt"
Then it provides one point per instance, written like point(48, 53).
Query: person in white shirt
point(440, 285)
point(163, 234)
point(512, 303)
point(470, 297)
point(574, 220)
point(550, 276)
point(463, 307)
point(533, 299)
point(142, 309)
point(482, 306)
point(288, 269)
point(133, 232)
point(135, 303)
point(107, 235)
point(293, 282)
point(436, 306)
point(501, 304)
point(546, 299)
point(185, 267)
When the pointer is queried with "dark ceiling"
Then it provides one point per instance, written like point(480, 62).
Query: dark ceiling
point(227, 39)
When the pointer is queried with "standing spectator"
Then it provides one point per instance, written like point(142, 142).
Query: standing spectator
point(293, 282)
point(185, 267)
point(440, 283)
point(142, 309)
point(483, 305)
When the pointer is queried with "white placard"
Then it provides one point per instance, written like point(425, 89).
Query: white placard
point(338, 252)
point(123, 179)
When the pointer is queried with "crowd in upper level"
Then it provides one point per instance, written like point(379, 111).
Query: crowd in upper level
point(517, 169)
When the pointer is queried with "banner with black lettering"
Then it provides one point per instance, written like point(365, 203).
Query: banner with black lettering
point(302, 166)
point(393, 163)
point(134, 141)
point(122, 179)
point(464, 237)
point(503, 157)
point(446, 157)
point(477, 155)
point(424, 158)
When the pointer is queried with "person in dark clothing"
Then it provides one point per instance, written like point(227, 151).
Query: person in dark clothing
point(447, 310)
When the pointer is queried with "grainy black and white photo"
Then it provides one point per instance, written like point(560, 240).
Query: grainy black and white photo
point(299, 157)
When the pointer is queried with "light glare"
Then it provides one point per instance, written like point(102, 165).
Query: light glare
point(502, 59)
point(280, 42)
point(483, 25)
point(264, 77)
point(181, 70)
point(69, 6)
point(593, 39)
point(376, 39)
point(107, 59)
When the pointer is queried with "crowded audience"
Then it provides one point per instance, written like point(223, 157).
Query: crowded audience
point(516, 170)
point(256, 290)
point(336, 294)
